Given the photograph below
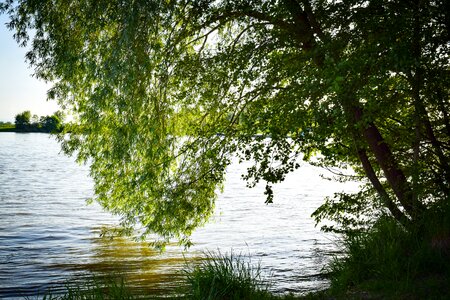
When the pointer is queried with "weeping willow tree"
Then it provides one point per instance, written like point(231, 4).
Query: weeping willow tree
point(165, 93)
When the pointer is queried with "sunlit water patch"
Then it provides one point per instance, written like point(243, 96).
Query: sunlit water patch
point(49, 236)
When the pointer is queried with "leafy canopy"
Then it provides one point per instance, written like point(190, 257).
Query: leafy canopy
point(165, 92)
point(22, 119)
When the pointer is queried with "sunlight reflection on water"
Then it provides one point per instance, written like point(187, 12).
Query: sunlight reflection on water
point(48, 235)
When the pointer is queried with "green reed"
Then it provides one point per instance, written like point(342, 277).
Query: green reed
point(109, 288)
point(222, 276)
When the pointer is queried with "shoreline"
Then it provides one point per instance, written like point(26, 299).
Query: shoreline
point(25, 130)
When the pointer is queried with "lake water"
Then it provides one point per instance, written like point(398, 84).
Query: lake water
point(49, 236)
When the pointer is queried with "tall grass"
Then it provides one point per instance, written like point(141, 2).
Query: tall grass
point(390, 261)
point(111, 288)
point(222, 276)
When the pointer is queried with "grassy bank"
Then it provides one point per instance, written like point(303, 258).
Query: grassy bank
point(7, 128)
point(28, 129)
point(389, 262)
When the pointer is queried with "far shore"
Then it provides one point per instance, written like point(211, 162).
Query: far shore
point(25, 130)
point(22, 131)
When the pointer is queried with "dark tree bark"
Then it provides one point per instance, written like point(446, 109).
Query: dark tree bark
point(387, 162)
point(368, 169)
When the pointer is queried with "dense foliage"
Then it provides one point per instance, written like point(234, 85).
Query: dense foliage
point(166, 92)
point(23, 119)
point(26, 123)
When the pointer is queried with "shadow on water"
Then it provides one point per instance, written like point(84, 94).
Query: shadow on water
point(145, 271)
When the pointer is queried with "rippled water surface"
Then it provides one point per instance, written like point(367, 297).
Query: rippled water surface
point(49, 236)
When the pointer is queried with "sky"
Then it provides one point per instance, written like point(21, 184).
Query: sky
point(19, 91)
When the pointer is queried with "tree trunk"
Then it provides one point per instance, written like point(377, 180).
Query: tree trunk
point(370, 173)
point(387, 162)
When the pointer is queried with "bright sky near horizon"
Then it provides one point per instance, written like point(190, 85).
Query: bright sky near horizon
point(19, 91)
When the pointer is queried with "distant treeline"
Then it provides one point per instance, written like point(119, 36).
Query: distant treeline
point(26, 122)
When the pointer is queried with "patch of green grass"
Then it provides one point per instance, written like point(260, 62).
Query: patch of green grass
point(111, 288)
point(390, 262)
point(222, 276)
